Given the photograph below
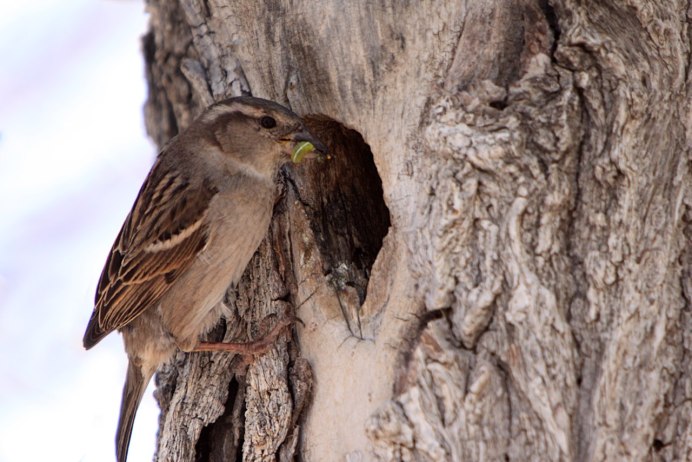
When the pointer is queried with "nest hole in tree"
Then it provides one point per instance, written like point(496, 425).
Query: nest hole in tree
point(345, 205)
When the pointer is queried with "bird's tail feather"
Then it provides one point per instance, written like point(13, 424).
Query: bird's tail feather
point(135, 384)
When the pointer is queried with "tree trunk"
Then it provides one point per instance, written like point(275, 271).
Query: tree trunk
point(525, 292)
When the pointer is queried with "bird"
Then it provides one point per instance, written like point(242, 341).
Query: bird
point(200, 215)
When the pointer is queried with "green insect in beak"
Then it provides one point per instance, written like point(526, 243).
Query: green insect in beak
point(301, 149)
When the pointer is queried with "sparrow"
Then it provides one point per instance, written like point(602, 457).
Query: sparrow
point(200, 215)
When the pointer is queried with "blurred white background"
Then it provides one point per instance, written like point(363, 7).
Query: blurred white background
point(73, 153)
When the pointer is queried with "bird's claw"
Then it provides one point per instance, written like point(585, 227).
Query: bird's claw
point(255, 347)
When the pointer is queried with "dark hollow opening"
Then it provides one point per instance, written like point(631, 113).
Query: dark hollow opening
point(225, 435)
point(345, 204)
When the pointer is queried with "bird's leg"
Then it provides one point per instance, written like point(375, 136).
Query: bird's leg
point(248, 348)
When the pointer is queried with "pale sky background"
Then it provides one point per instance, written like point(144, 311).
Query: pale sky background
point(73, 153)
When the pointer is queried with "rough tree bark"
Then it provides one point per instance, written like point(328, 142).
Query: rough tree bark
point(525, 292)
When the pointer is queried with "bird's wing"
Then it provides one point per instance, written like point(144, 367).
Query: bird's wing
point(160, 238)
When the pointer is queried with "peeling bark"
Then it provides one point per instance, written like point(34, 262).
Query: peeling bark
point(495, 265)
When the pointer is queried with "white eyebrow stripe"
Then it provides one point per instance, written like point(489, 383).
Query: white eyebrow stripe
point(215, 112)
point(175, 240)
point(212, 114)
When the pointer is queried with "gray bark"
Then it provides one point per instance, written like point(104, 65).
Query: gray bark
point(518, 287)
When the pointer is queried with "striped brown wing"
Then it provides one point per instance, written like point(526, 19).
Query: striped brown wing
point(160, 238)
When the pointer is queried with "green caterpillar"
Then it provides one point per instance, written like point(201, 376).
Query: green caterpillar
point(302, 148)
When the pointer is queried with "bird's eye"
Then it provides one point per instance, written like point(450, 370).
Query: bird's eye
point(267, 122)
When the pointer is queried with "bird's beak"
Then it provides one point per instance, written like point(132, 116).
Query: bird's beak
point(307, 147)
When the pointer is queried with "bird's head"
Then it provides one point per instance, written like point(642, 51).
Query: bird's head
point(259, 133)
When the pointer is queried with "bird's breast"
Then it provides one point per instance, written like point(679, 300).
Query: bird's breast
point(238, 221)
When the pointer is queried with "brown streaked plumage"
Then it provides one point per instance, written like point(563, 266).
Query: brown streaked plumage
point(199, 217)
